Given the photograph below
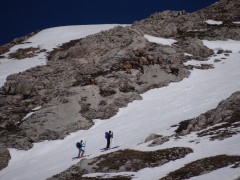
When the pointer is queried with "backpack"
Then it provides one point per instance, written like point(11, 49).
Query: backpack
point(106, 135)
point(78, 145)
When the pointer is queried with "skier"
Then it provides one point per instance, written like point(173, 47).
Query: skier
point(108, 137)
point(80, 146)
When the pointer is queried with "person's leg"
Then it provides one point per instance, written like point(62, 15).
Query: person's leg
point(79, 152)
point(108, 144)
point(82, 152)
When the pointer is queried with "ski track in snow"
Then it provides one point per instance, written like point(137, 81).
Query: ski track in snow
point(159, 109)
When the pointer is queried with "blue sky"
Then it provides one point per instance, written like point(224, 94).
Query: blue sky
point(20, 17)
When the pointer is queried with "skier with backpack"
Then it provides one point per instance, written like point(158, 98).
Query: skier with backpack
point(80, 146)
point(108, 136)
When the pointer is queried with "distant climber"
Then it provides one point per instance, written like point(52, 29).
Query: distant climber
point(80, 145)
point(108, 136)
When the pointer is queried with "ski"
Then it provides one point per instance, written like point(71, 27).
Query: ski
point(104, 149)
point(81, 157)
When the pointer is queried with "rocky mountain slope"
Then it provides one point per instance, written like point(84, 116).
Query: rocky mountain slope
point(91, 78)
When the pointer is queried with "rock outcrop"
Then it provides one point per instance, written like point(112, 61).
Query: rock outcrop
point(123, 161)
point(219, 123)
point(6, 47)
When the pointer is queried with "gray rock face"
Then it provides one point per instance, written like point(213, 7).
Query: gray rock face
point(156, 139)
point(152, 137)
point(4, 156)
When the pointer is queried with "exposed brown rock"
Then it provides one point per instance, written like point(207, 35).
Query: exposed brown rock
point(26, 53)
point(6, 47)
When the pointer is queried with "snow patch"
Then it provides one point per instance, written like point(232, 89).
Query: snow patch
point(238, 22)
point(37, 108)
point(27, 116)
point(162, 41)
point(187, 54)
point(213, 22)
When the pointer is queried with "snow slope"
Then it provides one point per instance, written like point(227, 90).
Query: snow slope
point(159, 109)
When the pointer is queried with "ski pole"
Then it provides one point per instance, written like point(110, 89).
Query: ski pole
point(111, 139)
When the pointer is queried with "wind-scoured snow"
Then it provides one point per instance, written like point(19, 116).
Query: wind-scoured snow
point(213, 22)
point(46, 39)
point(158, 40)
point(156, 113)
